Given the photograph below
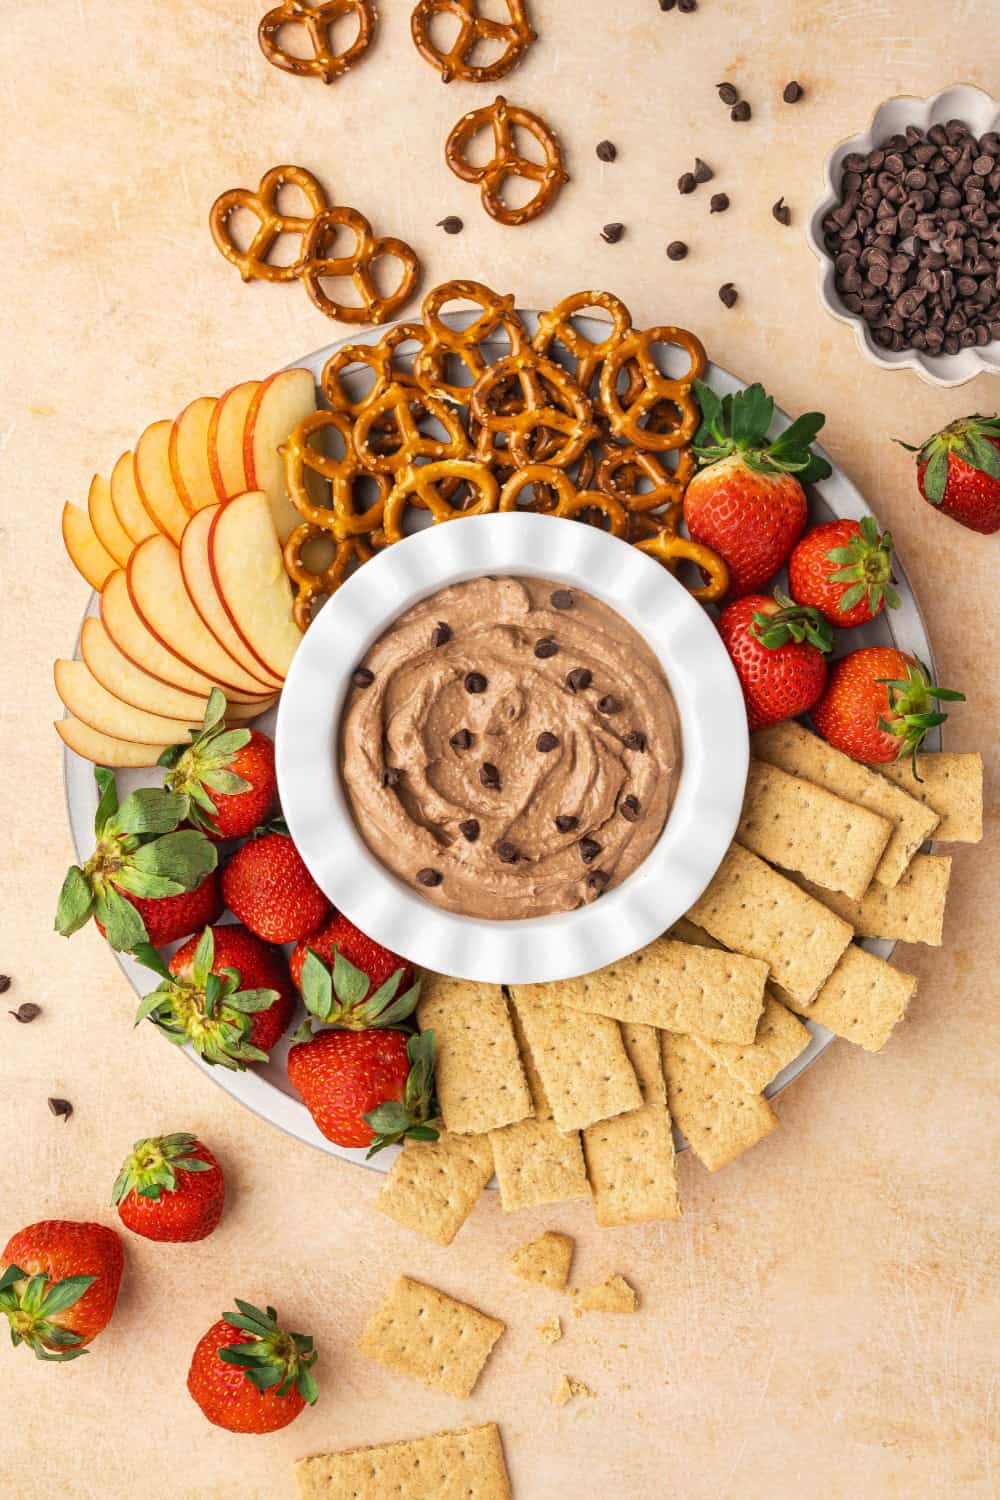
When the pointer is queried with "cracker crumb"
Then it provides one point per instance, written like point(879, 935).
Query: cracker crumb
point(567, 1388)
point(614, 1294)
point(550, 1332)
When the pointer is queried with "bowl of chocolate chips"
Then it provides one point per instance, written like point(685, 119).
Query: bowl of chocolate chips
point(907, 234)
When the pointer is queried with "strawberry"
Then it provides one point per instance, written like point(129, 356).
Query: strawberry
point(777, 649)
point(879, 704)
point(844, 569)
point(367, 1088)
point(60, 1285)
point(141, 863)
point(267, 885)
point(339, 935)
point(958, 472)
point(171, 1188)
point(342, 995)
point(747, 500)
point(228, 774)
point(225, 992)
point(248, 1375)
point(167, 918)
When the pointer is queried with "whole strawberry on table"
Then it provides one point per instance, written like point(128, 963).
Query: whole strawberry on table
point(879, 704)
point(170, 1188)
point(248, 1375)
point(59, 1285)
point(958, 472)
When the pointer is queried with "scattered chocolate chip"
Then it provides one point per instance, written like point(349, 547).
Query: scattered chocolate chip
point(392, 776)
point(687, 6)
point(606, 151)
point(686, 183)
point(442, 634)
point(792, 92)
point(489, 775)
point(589, 850)
point(469, 829)
point(362, 677)
point(598, 880)
point(579, 679)
point(667, 4)
point(702, 171)
point(461, 739)
point(5, 983)
point(429, 877)
point(728, 93)
point(740, 112)
point(26, 1012)
point(612, 233)
point(609, 704)
point(566, 822)
point(561, 599)
point(508, 853)
point(728, 294)
point(634, 740)
point(718, 203)
point(452, 224)
point(629, 808)
point(782, 212)
point(61, 1108)
point(676, 250)
point(546, 742)
point(475, 682)
point(545, 648)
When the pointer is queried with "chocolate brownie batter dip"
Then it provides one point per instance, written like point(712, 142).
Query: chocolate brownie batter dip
point(510, 748)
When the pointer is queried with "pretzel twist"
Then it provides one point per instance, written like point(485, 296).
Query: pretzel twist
point(671, 549)
point(313, 584)
point(517, 34)
point(379, 358)
point(253, 263)
point(557, 327)
point(430, 483)
point(555, 494)
point(397, 407)
point(303, 458)
point(552, 402)
point(444, 343)
point(317, 22)
point(621, 470)
point(357, 266)
point(506, 160)
point(627, 422)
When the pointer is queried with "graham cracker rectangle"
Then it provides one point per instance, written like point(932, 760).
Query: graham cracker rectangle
point(671, 985)
point(779, 1040)
point(630, 1159)
point(951, 783)
point(796, 750)
point(535, 1161)
point(581, 1060)
point(420, 1331)
point(463, 1465)
point(478, 1074)
point(802, 826)
point(910, 912)
point(863, 999)
point(433, 1185)
point(753, 910)
point(719, 1117)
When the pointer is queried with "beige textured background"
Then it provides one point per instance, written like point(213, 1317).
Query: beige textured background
point(824, 1321)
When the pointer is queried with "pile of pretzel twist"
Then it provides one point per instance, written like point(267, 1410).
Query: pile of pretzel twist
point(442, 429)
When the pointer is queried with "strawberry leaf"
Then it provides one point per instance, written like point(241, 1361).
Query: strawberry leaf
point(936, 476)
point(76, 902)
point(107, 804)
point(149, 810)
point(123, 926)
point(351, 984)
point(204, 958)
point(317, 986)
point(982, 455)
point(148, 956)
point(146, 887)
point(186, 856)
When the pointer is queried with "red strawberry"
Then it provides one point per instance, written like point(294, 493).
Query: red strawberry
point(747, 501)
point(267, 885)
point(879, 705)
point(248, 1375)
point(342, 995)
point(227, 773)
point(142, 872)
point(367, 1088)
point(225, 992)
point(60, 1285)
point(340, 935)
point(844, 569)
point(171, 1188)
point(777, 650)
point(958, 472)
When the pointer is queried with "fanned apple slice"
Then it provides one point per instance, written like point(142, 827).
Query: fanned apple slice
point(225, 440)
point(132, 684)
point(283, 401)
point(104, 749)
point(133, 638)
point(155, 482)
point(86, 699)
point(107, 528)
point(198, 581)
point(133, 515)
point(156, 588)
point(91, 560)
point(249, 575)
point(188, 454)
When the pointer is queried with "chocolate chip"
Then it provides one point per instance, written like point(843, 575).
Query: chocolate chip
point(686, 183)
point(728, 294)
point(392, 776)
point(609, 704)
point(702, 171)
point(566, 822)
point(579, 679)
point(589, 850)
point(792, 92)
point(606, 151)
point(362, 677)
point(546, 742)
point(429, 877)
point(629, 808)
point(508, 853)
point(718, 203)
point(740, 112)
point(728, 93)
point(676, 250)
point(5, 983)
point(561, 599)
point(598, 880)
point(441, 634)
point(545, 648)
point(667, 4)
point(782, 212)
point(489, 775)
point(612, 233)
point(61, 1108)
point(461, 739)
point(634, 740)
point(27, 1012)
point(475, 682)
point(469, 829)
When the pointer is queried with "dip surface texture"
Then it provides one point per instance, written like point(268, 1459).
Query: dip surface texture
point(510, 748)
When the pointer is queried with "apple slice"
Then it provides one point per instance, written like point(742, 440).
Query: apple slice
point(91, 560)
point(137, 642)
point(107, 528)
point(104, 750)
point(133, 685)
point(133, 515)
point(249, 575)
point(188, 454)
point(86, 699)
point(282, 402)
point(156, 483)
point(198, 581)
point(156, 588)
point(225, 440)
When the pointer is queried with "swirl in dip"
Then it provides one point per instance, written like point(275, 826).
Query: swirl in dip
point(510, 748)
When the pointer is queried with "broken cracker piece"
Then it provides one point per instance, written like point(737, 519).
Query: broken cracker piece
point(613, 1294)
point(951, 784)
point(567, 1389)
point(468, 1463)
point(864, 999)
point(550, 1332)
point(545, 1261)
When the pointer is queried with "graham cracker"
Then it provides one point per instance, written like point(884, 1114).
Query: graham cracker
point(794, 749)
point(478, 1074)
point(673, 986)
point(951, 783)
point(613, 1294)
point(718, 1116)
point(863, 999)
point(910, 912)
point(463, 1465)
point(545, 1261)
point(535, 1162)
point(752, 909)
point(422, 1332)
point(630, 1159)
point(779, 1040)
point(581, 1060)
point(433, 1185)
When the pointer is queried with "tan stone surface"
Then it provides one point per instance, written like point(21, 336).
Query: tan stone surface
point(823, 1321)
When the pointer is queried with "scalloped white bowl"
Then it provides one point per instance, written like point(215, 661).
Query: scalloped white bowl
point(713, 731)
point(962, 101)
